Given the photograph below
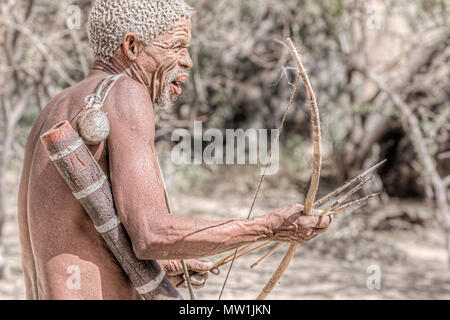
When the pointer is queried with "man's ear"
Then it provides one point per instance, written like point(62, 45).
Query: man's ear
point(130, 46)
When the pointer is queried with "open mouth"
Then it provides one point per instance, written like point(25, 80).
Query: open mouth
point(177, 82)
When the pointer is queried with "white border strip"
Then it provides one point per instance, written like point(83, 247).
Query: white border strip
point(152, 285)
point(91, 189)
point(64, 153)
point(111, 224)
point(97, 104)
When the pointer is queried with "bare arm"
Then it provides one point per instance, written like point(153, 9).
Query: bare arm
point(139, 195)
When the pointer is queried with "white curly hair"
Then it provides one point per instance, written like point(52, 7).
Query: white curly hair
point(110, 20)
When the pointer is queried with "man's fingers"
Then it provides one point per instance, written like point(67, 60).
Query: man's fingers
point(215, 271)
point(310, 233)
point(314, 221)
point(199, 265)
point(198, 280)
point(318, 213)
point(322, 230)
point(315, 212)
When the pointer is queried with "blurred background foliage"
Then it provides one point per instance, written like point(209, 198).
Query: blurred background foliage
point(366, 59)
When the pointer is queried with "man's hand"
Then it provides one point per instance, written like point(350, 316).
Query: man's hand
point(198, 271)
point(289, 224)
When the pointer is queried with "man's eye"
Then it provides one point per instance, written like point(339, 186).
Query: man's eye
point(180, 45)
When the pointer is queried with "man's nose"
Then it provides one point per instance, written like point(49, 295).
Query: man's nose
point(186, 61)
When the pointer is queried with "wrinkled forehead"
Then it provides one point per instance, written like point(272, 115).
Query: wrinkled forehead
point(181, 29)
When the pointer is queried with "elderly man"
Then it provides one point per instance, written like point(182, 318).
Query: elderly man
point(64, 257)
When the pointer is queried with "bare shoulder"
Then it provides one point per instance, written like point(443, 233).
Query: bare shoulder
point(130, 102)
point(130, 112)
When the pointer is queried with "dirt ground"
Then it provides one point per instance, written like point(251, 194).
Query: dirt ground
point(408, 252)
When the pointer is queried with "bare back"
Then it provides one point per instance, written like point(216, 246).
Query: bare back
point(63, 256)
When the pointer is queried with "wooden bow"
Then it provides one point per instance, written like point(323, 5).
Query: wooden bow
point(316, 169)
point(355, 184)
point(317, 162)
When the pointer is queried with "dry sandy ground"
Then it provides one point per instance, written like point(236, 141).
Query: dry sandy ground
point(334, 266)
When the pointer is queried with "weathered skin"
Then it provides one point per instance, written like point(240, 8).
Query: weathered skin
point(56, 233)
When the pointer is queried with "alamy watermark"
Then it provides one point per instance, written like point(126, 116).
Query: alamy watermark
point(73, 282)
point(73, 20)
point(374, 280)
point(375, 18)
point(236, 146)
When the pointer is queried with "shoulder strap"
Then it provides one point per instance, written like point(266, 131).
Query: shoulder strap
point(98, 98)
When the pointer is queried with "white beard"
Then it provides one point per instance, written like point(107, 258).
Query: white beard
point(163, 101)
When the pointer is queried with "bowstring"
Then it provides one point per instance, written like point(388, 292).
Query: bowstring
point(276, 141)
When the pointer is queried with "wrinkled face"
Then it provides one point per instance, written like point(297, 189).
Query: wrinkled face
point(163, 65)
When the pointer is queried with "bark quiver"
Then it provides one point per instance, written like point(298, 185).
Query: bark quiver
point(90, 186)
